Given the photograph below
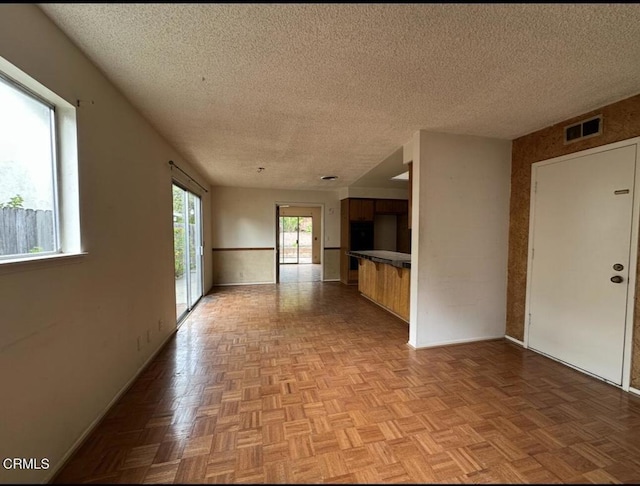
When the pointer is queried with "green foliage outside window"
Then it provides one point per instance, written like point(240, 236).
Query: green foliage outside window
point(179, 232)
point(178, 250)
point(290, 224)
point(16, 202)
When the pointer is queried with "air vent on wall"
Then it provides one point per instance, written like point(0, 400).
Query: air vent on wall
point(591, 127)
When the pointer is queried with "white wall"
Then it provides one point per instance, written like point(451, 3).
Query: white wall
point(245, 218)
point(460, 227)
point(68, 332)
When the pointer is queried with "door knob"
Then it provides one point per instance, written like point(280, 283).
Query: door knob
point(617, 279)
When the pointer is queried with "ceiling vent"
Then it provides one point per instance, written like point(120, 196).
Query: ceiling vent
point(591, 127)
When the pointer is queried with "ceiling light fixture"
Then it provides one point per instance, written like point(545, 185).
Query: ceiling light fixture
point(329, 178)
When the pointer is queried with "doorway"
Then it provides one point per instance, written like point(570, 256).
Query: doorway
point(579, 297)
point(295, 239)
point(298, 243)
point(187, 249)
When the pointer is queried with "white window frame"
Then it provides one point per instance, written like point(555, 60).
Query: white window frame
point(66, 186)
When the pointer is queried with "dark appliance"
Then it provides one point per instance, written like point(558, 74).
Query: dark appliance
point(361, 239)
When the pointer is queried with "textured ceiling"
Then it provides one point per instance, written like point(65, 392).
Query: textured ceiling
point(381, 174)
point(307, 90)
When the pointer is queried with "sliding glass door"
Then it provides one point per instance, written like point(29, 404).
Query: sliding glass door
point(187, 248)
point(295, 233)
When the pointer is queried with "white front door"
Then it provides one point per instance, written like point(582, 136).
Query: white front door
point(582, 209)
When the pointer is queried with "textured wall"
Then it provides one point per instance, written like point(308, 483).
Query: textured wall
point(621, 121)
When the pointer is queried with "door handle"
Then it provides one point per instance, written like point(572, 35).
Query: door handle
point(617, 279)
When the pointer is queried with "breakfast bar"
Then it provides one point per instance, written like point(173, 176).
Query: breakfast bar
point(384, 277)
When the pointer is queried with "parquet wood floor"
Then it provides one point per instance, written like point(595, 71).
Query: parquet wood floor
point(312, 383)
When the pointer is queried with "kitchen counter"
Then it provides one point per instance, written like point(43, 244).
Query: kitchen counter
point(384, 278)
point(393, 258)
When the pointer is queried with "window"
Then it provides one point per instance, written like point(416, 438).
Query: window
point(27, 163)
point(39, 213)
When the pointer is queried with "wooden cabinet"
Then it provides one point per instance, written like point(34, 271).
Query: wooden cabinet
point(387, 285)
point(361, 209)
point(410, 202)
point(344, 241)
point(391, 206)
point(344, 223)
point(403, 234)
point(352, 210)
point(358, 210)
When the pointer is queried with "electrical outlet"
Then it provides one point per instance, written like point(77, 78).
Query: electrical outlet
point(148, 335)
point(139, 343)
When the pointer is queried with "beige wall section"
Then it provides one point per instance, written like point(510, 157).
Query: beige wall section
point(245, 218)
point(243, 267)
point(331, 264)
point(620, 121)
point(69, 331)
point(314, 212)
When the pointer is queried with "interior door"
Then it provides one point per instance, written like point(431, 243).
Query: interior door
point(580, 260)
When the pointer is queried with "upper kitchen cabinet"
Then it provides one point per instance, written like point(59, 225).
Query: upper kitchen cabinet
point(391, 206)
point(361, 209)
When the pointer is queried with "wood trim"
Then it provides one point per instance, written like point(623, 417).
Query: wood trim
point(244, 249)
point(410, 164)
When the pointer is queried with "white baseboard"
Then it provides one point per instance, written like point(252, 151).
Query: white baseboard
point(635, 391)
point(514, 340)
point(104, 412)
point(457, 341)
